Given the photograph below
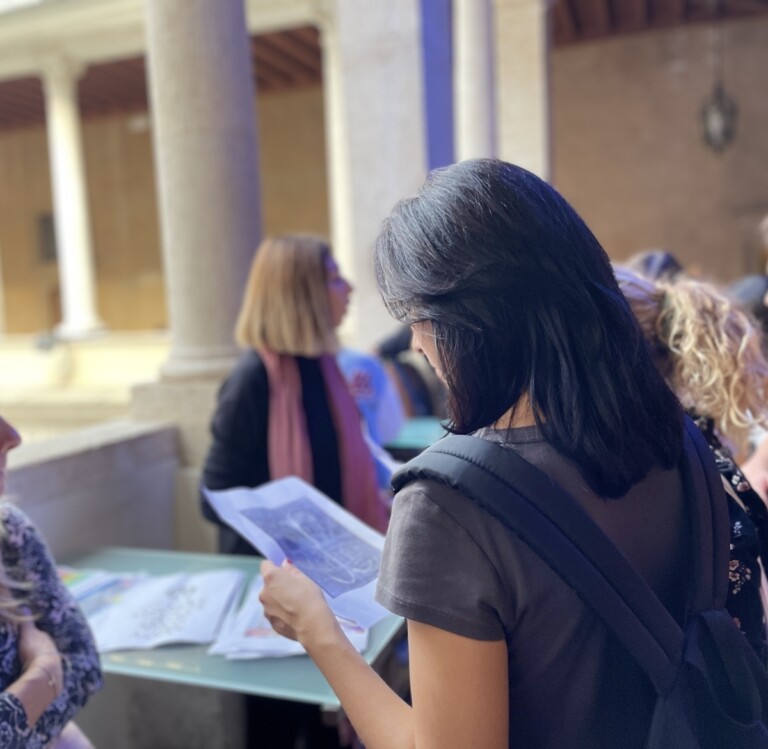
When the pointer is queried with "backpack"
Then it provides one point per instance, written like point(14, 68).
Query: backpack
point(712, 690)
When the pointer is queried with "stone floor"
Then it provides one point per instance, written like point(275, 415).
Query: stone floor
point(49, 387)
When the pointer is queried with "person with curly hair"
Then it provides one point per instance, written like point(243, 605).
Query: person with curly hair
point(710, 352)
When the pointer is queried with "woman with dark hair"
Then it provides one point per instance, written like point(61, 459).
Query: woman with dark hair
point(513, 301)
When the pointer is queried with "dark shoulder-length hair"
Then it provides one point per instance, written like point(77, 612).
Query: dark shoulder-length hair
point(523, 301)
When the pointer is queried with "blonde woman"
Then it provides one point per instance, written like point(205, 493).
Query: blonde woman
point(285, 409)
point(710, 352)
point(48, 661)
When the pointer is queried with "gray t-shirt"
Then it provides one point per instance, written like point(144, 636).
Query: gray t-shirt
point(571, 684)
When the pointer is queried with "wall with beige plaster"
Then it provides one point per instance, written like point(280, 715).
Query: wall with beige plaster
point(110, 485)
point(628, 152)
point(123, 208)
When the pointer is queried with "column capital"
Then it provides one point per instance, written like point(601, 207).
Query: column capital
point(326, 20)
point(525, 4)
point(60, 72)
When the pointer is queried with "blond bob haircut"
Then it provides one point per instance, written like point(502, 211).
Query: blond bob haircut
point(285, 307)
point(708, 348)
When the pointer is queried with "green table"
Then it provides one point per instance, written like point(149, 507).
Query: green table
point(417, 434)
point(295, 678)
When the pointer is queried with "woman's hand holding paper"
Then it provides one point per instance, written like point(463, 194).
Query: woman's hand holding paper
point(295, 606)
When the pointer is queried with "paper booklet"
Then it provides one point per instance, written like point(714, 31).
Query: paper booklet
point(247, 633)
point(289, 519)
point(136, 611)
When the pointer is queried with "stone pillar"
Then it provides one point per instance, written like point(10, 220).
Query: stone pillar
point(437, 54)
point(206, 155)
point(206, 158)
point(376, 137)
point(70, 203)
point(474, 105)
point(522, 83)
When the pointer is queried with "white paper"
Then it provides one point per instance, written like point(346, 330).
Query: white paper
point(96, 590)
point(186, 608)
point(289, 519)
point(250, 635)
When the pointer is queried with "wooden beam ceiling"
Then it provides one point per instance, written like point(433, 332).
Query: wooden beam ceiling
point(292, 58)
point(586, 20)
point(281, 61)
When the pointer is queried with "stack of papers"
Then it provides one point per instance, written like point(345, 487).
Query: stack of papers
point(247, 633)
point(285, 519)
point(136, 611)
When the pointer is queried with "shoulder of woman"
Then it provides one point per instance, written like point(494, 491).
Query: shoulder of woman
point(249, 365)
point(425, 500)
point(20, 540)
point(14, 521)
point(248, 377)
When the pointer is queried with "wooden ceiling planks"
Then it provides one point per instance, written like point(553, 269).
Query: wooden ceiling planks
point(282, 60)
point(292, 58)
point(585, 20)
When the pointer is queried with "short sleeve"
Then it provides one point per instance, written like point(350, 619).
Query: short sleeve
point(433, 571)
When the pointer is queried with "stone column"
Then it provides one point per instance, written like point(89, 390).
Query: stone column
point(70, 203)
point(376, 136)
point(206, 155)
point(207, 169)
point(474, 105)
point(522, 83)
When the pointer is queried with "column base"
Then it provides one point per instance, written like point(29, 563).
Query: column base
point(188, 405)
point(70, 332)
point(202, 368)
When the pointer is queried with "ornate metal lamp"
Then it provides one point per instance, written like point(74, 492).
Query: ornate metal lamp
point(720, 112)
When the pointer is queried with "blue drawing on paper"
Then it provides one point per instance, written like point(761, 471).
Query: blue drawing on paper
point(324, 550)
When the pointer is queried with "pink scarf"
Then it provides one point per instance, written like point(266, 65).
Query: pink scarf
point(288, 441)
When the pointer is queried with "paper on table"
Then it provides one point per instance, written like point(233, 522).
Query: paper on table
point(172, 608)
point(95, 590)
point(289, 519)
point(250, 635)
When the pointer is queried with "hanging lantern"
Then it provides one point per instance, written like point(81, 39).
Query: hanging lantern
point(718, 119)
point(719, 113)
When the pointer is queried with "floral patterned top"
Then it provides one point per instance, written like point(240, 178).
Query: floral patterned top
point(749, 542)
point(26, 558)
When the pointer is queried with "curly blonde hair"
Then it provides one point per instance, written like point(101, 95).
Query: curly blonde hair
point(708, 348)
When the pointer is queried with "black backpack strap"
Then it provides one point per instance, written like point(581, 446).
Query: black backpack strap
point(555, 526)
point(711, 528)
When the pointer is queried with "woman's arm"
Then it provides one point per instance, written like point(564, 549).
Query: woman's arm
point(41, 679)
point(755, 468)
point(460, 689)
point(459, 685)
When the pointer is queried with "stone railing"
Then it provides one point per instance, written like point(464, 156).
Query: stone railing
point(112, 484)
